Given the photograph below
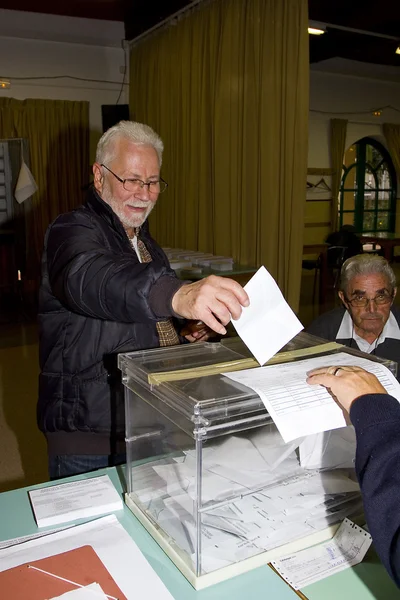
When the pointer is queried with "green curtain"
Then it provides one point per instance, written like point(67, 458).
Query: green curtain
point(227, 89)
point(337, 143)
point(392, 136)
point(58, 136)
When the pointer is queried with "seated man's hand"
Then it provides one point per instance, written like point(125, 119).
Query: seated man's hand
point(346, 383)
point(212, 300)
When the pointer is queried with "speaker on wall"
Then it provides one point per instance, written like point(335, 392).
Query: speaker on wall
point(113, 113)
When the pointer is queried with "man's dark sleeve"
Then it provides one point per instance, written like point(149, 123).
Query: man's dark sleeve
point(376, 419)
point(91, 279)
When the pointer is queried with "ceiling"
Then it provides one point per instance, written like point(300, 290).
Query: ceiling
point(376, 18)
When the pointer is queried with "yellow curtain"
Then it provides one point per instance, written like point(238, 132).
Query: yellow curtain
point(392, 135)
point(58, 135)
point(227, 89)
point(338, 142)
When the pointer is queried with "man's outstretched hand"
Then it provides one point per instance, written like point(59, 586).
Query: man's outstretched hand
point(212, 300)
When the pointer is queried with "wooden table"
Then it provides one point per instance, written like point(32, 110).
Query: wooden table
point(385, 239)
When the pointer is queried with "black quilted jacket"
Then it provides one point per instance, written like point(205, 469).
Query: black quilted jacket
point(96, 300)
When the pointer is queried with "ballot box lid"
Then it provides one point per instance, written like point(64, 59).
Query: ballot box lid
point(188, 380)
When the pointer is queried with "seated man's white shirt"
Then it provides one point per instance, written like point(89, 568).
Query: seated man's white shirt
point(346, 331)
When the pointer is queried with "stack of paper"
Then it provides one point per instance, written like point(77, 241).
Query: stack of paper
point(74, 500)
point(121, 560)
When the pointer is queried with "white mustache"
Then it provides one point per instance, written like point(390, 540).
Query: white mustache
point(136, 205)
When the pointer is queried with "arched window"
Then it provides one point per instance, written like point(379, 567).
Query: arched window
point(368, 188)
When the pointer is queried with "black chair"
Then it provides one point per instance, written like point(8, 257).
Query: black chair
point(330, 265)
point(327, 266)
point(309, 265)
point(335, 257)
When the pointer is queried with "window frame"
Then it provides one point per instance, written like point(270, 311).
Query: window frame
point(361, 165)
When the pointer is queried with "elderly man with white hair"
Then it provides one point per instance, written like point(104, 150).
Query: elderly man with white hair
point(107, 287)
point(368, 320)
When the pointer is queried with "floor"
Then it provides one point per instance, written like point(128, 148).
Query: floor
point(23, 459)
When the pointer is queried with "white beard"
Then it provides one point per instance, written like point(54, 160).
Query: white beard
point(132, 221)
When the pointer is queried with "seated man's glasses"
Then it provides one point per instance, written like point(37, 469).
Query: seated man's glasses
point(134, 185)
point(363, 301)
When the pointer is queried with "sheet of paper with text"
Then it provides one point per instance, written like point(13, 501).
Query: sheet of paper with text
point(299, 409)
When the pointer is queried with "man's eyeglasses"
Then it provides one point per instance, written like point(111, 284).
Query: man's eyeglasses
point(363, 301)
point(134, 185)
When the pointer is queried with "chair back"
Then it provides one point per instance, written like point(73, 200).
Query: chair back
point(335, 256)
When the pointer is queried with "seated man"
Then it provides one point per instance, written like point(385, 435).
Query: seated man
point(367, 321)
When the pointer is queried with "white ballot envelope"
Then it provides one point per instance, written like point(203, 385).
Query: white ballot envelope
point(268, 323)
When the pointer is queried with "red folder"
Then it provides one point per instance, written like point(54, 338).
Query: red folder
point(81, 566)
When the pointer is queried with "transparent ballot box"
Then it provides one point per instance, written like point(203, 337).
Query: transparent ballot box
point(208, 473)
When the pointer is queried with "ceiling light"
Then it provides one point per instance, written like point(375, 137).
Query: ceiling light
point(315, 31)
point(398, 50)
point(4, 83)
point(316, 27)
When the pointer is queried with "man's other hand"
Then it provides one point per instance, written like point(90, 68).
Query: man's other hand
point(346, 383)
point(212, 300)
point(196, 331)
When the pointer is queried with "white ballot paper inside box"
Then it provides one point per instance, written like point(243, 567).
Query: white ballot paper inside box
point(268, 323)
point(299, 409)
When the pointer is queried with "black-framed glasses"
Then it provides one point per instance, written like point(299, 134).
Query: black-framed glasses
point(363, 301)
point(134, 185)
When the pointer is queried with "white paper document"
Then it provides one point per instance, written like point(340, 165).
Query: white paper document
point(75, 500)
point(268, 323)
point(329, 450)
point(299, 409)
point(346, 549)
point(112, 544)
point(33, 536)
point(87, 592)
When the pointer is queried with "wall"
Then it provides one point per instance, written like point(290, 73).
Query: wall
point(35, 45)
point(48, 46)
point(349, 96)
